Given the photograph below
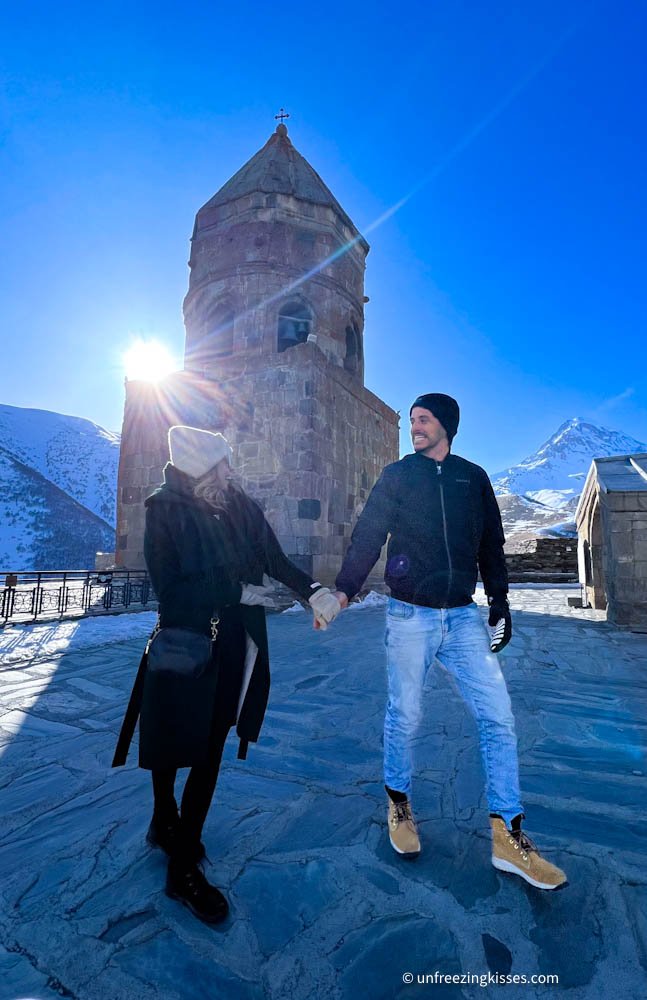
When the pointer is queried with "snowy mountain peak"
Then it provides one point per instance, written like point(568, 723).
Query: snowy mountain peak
point(554, 475)
point(580, 435)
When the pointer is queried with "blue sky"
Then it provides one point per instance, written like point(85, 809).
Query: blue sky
point(513, 277)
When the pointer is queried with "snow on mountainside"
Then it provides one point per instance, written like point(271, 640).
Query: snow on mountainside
point(74, 454)
point(41, 527)
point(58, 490)
point(555, 475)
point(523, 518)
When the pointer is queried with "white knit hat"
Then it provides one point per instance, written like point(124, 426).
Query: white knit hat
point(196, 452)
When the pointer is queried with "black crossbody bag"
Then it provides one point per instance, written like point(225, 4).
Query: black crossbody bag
point(181, 651)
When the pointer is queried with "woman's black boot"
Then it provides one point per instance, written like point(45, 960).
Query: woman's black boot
point(186, 882)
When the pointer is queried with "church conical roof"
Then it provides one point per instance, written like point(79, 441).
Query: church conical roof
point(278, 168)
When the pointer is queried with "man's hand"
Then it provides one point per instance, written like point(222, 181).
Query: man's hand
point(342, 598)
point(325, 606)
point(499, 623)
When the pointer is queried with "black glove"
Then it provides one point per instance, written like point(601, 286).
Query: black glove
point(499, 623)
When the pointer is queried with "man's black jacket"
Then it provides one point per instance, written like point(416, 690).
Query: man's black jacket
point(444, 524)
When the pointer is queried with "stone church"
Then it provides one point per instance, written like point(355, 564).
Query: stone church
point(274, 359)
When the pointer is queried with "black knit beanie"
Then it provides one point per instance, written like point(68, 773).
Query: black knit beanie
point(444, 409)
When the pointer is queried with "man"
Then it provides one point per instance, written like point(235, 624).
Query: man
point(444, 523)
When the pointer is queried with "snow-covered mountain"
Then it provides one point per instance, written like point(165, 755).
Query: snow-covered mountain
point(540, 494)
point(76, 455)
point(556, 473)
point(58, 487)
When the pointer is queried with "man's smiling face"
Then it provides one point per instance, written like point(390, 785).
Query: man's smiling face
point(426, 431)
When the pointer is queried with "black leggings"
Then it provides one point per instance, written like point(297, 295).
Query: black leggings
point(201, 782)
point(198, 791)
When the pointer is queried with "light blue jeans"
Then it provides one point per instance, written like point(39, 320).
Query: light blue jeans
point(415, 636)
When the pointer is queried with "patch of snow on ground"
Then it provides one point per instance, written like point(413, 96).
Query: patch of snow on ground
point(293, 609)
point(42, 640)
point(372, 600)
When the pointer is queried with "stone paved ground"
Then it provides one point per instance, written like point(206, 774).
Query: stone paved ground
point(321, 906)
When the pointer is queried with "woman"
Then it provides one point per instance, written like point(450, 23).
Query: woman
point(207, 546)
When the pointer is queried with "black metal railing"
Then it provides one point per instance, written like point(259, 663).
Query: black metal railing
point(27, 597)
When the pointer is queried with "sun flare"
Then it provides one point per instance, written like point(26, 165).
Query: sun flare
point(148, 361)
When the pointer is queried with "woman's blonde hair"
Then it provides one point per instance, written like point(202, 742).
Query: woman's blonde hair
point(209, 489)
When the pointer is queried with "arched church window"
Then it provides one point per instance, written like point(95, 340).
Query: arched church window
point(295, 323)
point(353, 348)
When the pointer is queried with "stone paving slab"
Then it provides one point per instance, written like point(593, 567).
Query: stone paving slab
point(321, 906)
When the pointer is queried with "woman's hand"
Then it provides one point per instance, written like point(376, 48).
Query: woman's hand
point(325, 607)
point(255, 595)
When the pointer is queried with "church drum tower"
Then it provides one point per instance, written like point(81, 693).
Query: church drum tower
point(274, 359)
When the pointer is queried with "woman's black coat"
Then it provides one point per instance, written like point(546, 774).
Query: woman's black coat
point(197, 558)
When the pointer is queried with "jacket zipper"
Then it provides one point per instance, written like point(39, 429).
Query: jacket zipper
point(439, 470)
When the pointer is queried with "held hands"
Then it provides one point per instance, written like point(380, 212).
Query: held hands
point(325, 606)
point(499, 623)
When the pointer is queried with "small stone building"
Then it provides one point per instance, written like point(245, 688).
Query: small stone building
point(611, 522)
point(274, 359)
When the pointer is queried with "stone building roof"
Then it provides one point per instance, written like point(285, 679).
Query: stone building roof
point(622, 473)
point(278, 168)
point(615, 474)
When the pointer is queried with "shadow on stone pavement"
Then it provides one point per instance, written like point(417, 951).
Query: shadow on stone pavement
point(321, 906)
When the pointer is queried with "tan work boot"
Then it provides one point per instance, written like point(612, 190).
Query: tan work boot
point(403, 832)
point(513, 851)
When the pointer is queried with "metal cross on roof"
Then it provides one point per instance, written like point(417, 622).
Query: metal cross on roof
point(282, 114)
